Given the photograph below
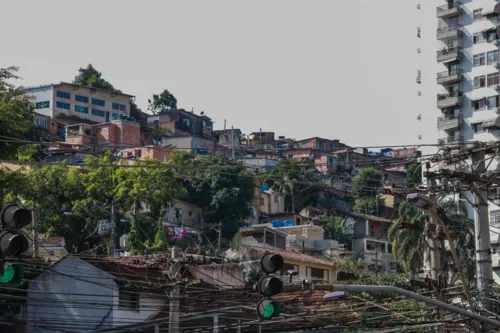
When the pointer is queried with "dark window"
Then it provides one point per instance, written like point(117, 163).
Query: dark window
point(62, 105)
point(262, 201)
point(289, 267)
point(98, 102)
point(118, 106)
point(476, 14)
point(317, 273)
point(42, 105)
point(80, 98)
point(479, 105)
point(81, 109)
point(276, 199)
point(63, 94)
point(477, 128)
point(128, 300)
point(479, 82)
point(138, 153)
point(98, 113)
point(493, 79)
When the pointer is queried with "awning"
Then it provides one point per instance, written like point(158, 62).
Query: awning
point(490, 9)
point(493, 122)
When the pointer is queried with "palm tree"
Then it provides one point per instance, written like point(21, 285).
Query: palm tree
point(409, 236)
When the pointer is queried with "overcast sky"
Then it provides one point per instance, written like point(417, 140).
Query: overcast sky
point(341, 69)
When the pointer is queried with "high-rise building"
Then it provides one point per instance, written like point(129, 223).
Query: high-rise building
point(469, 84)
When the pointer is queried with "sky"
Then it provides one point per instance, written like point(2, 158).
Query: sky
point(339, 69)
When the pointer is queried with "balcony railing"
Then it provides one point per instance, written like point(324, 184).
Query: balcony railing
point(450, 139)
point(449, 76)
point(449, 121)
point(449, 100)
point(448, 32)
point(449, 54)
point(449, 9)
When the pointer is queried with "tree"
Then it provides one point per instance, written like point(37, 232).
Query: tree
point(91, 77)
point(335, 229)
point(367, 183)
point(369, 206)
point(16, 113)
point(162, 102)
point(413, 175)
point(223, 189)
point(408, 234)
point(295, 180)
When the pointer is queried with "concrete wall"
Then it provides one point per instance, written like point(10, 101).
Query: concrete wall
point(192, 215)
point(43, 94)
point(227, 276)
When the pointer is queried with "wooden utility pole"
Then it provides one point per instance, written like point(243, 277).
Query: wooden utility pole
point(34, 218)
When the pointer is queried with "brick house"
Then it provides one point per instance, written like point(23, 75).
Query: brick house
point(182, 123)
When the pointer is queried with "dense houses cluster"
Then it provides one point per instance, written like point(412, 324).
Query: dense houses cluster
point(82, 120)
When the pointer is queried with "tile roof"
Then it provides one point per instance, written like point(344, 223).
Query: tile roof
point(290, 255)
point(371, 217)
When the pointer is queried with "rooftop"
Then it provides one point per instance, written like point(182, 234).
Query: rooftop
point(371, 218)
point(291, 255)
point(76, 86)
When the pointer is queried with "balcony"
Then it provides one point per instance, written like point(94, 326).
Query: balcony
point(449, 9)
point(449, 77)
point(449, 32)
point(449, 54)
point(449, 122)
point(449, 100)
point(450, 140)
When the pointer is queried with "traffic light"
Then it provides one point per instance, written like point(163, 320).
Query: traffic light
point(269, 286)
point(12, 240)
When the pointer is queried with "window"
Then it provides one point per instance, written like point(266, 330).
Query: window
point(128, 300)
point(62, 105)
point(389, 248)
point(289, 267)
point(42, 122)
point(178, 213)
point(493, 79)
point(42, 105)
point(138, 153)
point(262, 201)
point(115, 115)
point(453, 22)
point(276, 199)
point(476, 14)
point(479, 104)
point(479, 82)
point(318, 274)
point(478, 38)
point(98, 113)
point(63, 94)
point(492, 57)
point(98, 102)
point(80, 98)
point(186, 122)
point(492, 102)
point(479, 60)
point(491, 36)
point(477, 128)
point(81, 109)
point(118, 106)
point(495, 217)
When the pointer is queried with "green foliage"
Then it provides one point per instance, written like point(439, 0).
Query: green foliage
point(222, 189)
point(366, 183)
point(294, 180)
point(162, 102)
point(91, 77)
point(413, 175)
point(369, 206)
point(16, 112)
point(335, 229)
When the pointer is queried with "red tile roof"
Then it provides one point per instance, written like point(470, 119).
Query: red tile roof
point(290, 255)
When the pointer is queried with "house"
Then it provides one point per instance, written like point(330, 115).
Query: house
point(262, 139)
point(184, 214)
point(319, 143)
point(49, 124)
point(180, 123)
point(52, 249)
point(158, 153)
point(119, 290)
point(265, 204)
point(119, 132)
point(370, 242)
point(70, 103)
point(199, 145)
point(224, 138)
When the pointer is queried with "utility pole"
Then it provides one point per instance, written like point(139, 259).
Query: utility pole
point(219, 238)
point(232, 142)
point(482, 233)
point(433, 255)
point(34, 218)
point(173, 322)
point(113, 230)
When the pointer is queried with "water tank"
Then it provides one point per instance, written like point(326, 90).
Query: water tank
point(289, 223)
point(277, 224)
point(264, 188)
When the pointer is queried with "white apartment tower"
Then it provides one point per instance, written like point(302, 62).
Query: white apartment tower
point(468, 81)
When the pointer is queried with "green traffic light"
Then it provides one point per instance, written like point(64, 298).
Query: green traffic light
point(268, 311)
point(12, 274)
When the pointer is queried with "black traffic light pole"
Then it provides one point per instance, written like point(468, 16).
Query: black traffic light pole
point(270, 285)
point(12, 241)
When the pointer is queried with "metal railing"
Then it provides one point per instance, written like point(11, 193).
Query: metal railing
point(441, 97)
point(443, 9)
point(446, 74)
point(450, 117)
point(450, 139)
point(444, 30)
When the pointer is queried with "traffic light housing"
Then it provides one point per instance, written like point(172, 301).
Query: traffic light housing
point(11, 273)
point(270, 285)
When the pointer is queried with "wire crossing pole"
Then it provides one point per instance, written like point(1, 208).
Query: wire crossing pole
point(482, 234)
